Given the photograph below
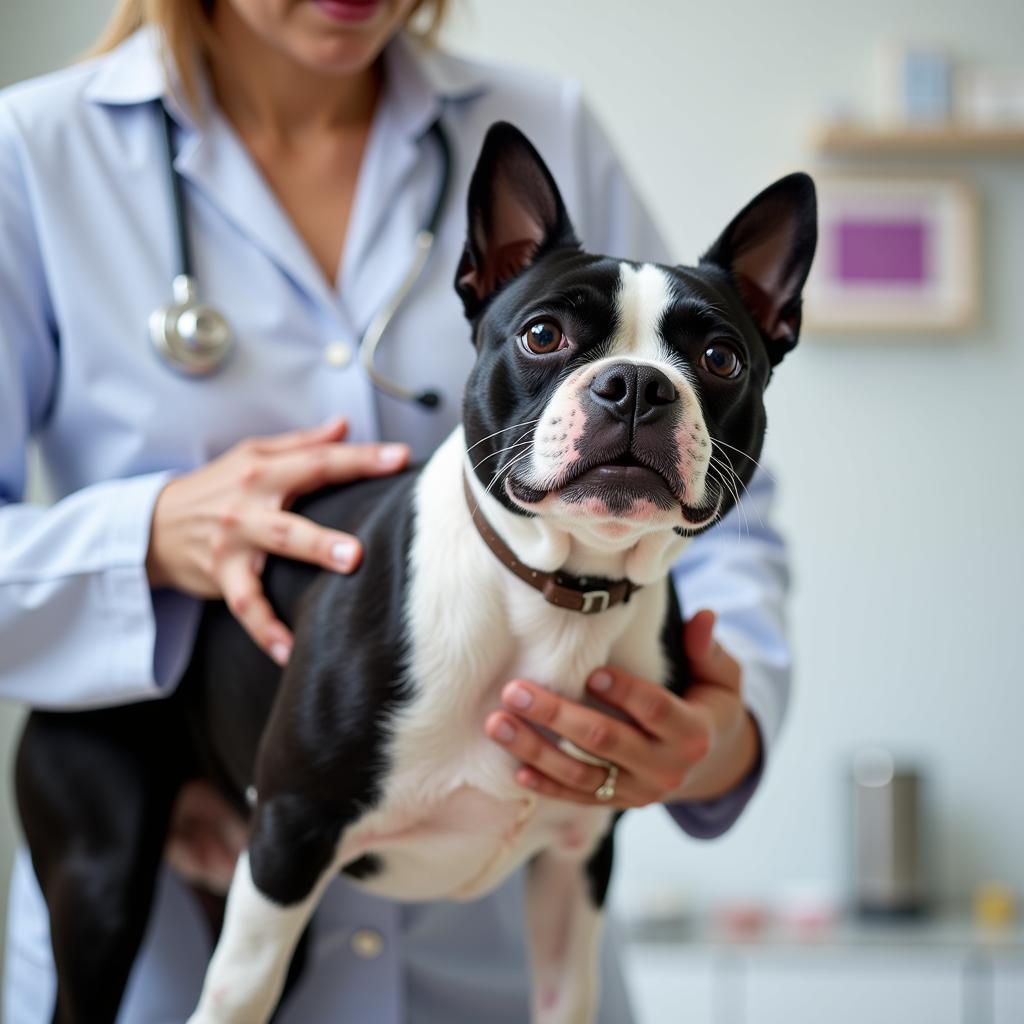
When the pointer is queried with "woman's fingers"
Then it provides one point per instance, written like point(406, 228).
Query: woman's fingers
point(657, 711)
point(298, 472)
point(550, 771)
point(709, 660)
point(273, 469)
point(526, 744)
point(591, 730)
point(243, 594)
point(628, 791)
point(331, 431)
point(294, 536)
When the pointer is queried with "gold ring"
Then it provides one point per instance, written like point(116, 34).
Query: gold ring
point(606, 791)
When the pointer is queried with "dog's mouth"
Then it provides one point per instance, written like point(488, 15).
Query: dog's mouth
point(622, 484)
point(627, 477)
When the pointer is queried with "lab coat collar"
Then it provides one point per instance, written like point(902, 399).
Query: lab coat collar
point(138, 71)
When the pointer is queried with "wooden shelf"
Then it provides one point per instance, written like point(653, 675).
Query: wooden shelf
point(861, 139)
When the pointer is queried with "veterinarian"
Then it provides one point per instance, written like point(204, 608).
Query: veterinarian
point(312, 140)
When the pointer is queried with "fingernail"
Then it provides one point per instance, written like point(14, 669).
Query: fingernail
point(529, 781)
point(391, 455)
point(280, 652)
point(518, 696)
point(344, 553)
point(601, 681)
point(505, 732)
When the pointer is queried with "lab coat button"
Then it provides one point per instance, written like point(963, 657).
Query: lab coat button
point(367, 943)
point(338, 354)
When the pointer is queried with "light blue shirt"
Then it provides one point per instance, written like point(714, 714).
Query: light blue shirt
point(88, 251)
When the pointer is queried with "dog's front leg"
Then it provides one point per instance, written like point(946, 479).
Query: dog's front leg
point(293, 854)
point(564, 918)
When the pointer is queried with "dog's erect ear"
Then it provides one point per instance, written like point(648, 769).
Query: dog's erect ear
point(515, 215)
point(768, 250)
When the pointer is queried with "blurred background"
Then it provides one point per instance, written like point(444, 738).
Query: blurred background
point(895, 436)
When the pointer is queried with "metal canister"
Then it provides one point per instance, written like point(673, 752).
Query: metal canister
point(888, 855)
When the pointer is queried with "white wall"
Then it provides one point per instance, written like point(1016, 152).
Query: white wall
point(899, 462)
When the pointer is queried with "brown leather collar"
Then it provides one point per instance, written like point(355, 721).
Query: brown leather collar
point(575, 593)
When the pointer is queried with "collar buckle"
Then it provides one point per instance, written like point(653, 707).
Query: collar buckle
point(595, 601)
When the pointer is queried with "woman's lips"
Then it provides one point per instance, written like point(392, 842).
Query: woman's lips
point(348, 10)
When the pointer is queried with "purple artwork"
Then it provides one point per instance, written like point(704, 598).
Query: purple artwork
point(881, 252)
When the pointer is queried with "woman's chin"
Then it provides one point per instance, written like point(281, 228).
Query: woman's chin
point(338, 55)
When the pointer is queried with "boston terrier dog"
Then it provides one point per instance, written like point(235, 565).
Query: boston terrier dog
point(613, 411)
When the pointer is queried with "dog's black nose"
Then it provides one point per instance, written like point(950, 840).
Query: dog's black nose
point(631, 392)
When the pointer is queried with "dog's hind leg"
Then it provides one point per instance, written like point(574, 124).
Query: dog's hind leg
point(294, 852)
point(564, 898)
point(94, 792)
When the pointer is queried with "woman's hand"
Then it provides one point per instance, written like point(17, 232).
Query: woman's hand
point(670, 749)
point(213, 528)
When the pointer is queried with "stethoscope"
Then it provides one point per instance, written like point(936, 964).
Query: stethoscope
point(194, 338)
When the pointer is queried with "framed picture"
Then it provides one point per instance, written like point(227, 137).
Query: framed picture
point(894, 254)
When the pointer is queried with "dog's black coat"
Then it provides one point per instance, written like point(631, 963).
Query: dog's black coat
point(95, 788)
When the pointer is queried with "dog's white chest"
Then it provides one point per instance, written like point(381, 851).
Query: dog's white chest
point(453, 822)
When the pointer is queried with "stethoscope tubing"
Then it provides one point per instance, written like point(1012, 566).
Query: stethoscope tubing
point(181, 231)
point(371, 338)
point(164, 322)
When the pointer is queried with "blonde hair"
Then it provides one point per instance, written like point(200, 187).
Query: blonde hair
point(185, 26)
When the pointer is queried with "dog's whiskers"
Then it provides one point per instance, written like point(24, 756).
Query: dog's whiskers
point(520, 443)
point(733, 478)
point(726, 475)
point(507, 468)
point(503, 430)
point(728, 463)
point(515, 444)
point(749, 458)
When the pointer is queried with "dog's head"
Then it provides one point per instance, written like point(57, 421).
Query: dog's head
point(612, 397)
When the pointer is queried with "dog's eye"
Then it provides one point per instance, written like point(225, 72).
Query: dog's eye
point(543, 337)
point(722, 360)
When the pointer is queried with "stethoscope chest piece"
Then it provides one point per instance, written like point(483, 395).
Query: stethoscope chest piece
point(190, 336)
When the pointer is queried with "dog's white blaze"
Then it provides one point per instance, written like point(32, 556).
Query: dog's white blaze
point(643, 296)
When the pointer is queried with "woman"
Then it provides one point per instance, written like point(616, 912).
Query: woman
point(302, 136)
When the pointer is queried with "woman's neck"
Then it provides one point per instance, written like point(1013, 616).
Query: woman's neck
point(262, 90)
